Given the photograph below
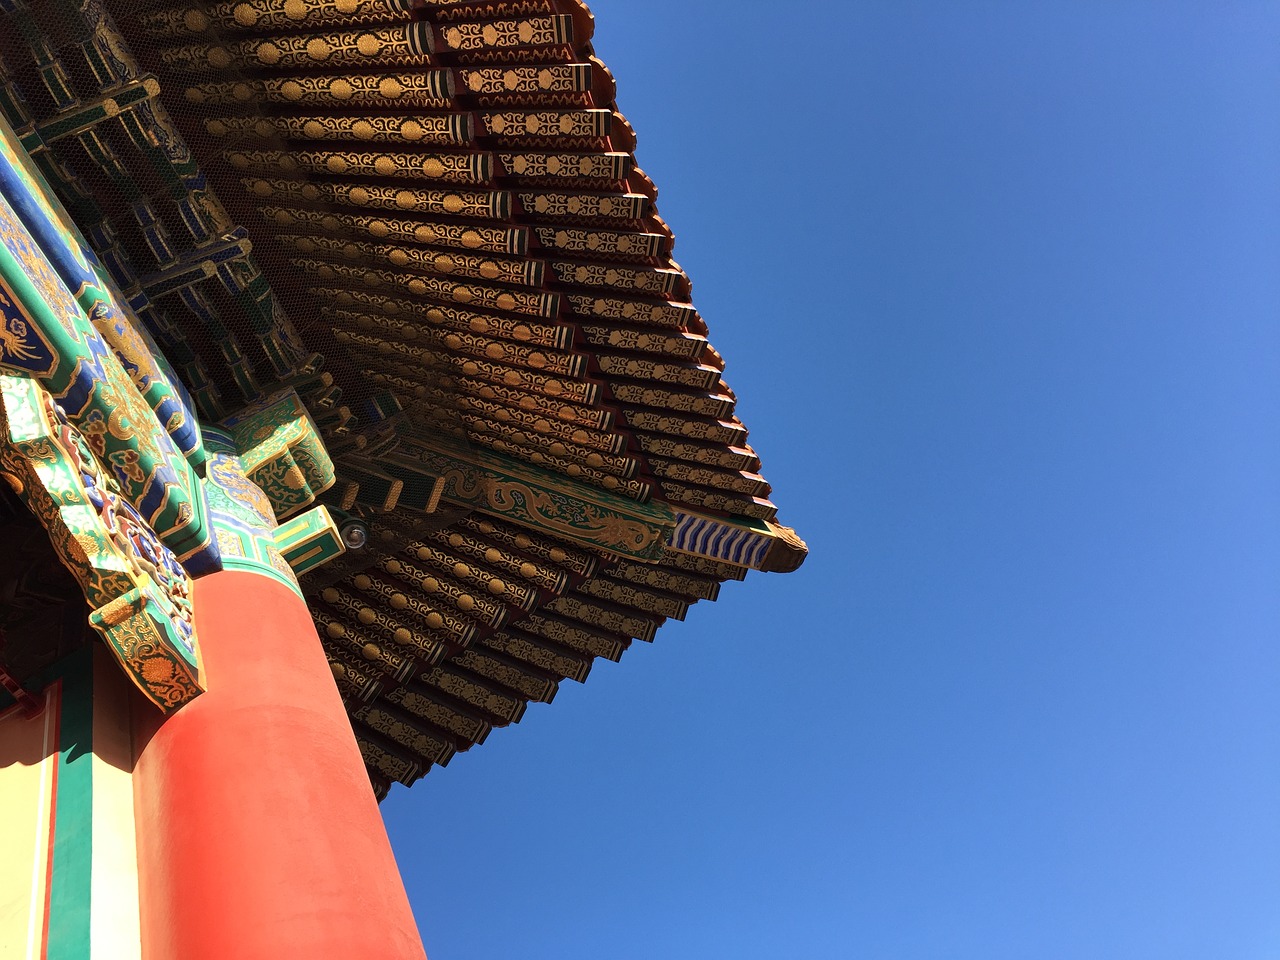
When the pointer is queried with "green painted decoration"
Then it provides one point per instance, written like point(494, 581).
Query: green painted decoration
point(81, 273)
point(243, 518)
point(282, 451)
point(309, 540)
point(542, 500)
point(46, 334)
point(71, 880)
point(138, 592)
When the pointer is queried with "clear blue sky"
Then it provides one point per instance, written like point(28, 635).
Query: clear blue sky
point(997, 283)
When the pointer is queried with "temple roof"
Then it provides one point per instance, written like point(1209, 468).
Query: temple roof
point(452, 255)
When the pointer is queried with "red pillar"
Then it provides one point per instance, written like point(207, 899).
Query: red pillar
point(258, 834)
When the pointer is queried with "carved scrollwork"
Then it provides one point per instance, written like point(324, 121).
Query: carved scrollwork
point(139, 593)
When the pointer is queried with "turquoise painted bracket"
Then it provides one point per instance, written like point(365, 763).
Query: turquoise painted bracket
point(138, 593)
point(282, 451)
point(243, 519)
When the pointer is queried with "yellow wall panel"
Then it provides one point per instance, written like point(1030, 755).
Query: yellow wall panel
point(28, 774)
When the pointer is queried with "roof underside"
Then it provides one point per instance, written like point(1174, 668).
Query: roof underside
point(443, 203)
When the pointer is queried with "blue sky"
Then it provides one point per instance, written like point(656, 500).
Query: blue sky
point(997, 287)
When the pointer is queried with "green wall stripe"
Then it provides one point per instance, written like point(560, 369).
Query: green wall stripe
point(71, 882)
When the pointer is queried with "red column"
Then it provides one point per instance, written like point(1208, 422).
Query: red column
point(258, 834)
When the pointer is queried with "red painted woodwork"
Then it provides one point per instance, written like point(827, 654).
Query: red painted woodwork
point(258, 834)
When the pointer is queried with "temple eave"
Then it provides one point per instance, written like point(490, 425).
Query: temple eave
point(426, 219)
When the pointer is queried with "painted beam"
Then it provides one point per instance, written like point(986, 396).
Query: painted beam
point(744, 541)
point(85, 116)
point(45, 334)
point(542, 500)
point(82, 274)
